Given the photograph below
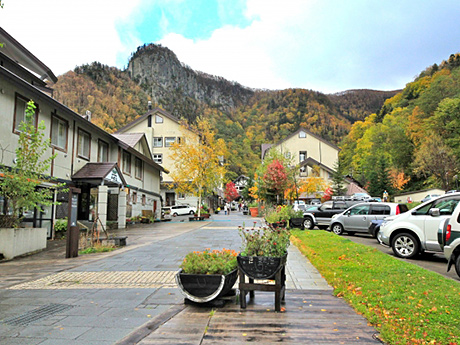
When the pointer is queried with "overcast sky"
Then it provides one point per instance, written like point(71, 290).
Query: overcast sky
point(324, 45)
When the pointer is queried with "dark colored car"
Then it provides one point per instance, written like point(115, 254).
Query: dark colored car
point(374, 228)
point(322, 216)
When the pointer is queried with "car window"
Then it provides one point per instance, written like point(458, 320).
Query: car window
point(423, 210)
point(359, 210)
point(446, 206)
point(403, 208)
point(380, 209)
point(326, 206)
point(340, 205)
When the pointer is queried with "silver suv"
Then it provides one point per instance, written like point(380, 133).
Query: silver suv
point(416, 231)
point(358, 217)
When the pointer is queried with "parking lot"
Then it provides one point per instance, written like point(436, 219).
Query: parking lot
point(433, 262)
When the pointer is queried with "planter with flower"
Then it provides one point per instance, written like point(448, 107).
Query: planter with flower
point(205, 276)
point(263, 256)
point(278, 217)
point(254, 209)
point(264, 251)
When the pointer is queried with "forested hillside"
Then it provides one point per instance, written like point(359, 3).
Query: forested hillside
point(245, 118)
point(415, 136)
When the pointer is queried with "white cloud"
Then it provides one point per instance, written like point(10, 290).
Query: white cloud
point(65, 34)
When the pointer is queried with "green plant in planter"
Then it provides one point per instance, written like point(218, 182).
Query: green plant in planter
point(264, 242)
point(210, 262)
point(279, 214)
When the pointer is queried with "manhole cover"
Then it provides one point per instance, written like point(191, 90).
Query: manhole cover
point(37, 314)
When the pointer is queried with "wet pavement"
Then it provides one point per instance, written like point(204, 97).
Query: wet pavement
point(129, 296)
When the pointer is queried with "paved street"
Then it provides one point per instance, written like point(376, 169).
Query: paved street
point(129, 296)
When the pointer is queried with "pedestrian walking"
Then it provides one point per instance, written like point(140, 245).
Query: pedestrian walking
point(225, 209)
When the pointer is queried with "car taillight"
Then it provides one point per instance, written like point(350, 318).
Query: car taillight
point(397, 210)
point(448, 232)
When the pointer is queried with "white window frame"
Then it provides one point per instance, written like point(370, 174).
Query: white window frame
point(83, 148)
point(169, 142)
point(59, 139)
point(157, 141)
point(302, 134)
point(158, 119)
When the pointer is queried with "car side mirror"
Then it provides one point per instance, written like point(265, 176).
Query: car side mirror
point(434, 212)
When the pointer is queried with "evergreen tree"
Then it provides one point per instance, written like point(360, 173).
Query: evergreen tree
point(338, 186)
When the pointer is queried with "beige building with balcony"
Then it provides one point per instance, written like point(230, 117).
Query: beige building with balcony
point(161, 130)
point(307, 150)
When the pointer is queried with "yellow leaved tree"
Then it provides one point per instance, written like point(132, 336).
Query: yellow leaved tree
point(199, 161)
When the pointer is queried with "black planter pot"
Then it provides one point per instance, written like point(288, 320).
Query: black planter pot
point(296, 223)
point(202, 288)
point(281, 224)
point(261, 267)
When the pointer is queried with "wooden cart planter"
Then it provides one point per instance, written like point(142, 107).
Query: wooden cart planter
point(202, 288)
point(259, 268)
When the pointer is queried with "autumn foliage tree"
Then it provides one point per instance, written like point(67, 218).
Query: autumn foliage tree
point(230, 191)
point(276, 178)
point(199, 167)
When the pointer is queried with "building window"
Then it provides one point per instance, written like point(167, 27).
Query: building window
point(144, 199)
point(302, 134)
point(158, 158)
point(138, 168)
point(303, 170)
point(84, 144)
point(102, 151)
point(157, 141)
point(20, 108)
point(59, 130)
point(180, 196)
point(169, 141)
point(126, 162)
point(158, 119)
point(134, 197)
point(302, 156)
point(180, 140)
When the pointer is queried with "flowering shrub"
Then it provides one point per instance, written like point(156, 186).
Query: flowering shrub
point(264, 241)
point(210, 262)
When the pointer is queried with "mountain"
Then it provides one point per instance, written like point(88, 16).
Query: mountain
point(414, 136)
point(244, 117)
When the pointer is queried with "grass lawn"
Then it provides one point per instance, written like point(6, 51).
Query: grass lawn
point(405, 303)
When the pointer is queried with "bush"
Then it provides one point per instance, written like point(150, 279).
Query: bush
point(264, 242)
point(60, 226)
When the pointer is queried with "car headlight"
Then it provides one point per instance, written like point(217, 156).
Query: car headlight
point(335, 216)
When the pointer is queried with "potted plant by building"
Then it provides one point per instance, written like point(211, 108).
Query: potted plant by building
point(296, 219)
point(205, 276)
point(254, 209)
point(263, 252)
point(278, 217)
point(205, 211)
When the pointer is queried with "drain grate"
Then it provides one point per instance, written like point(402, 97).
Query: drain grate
point(37, 314)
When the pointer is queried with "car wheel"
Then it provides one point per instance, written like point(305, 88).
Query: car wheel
point(337, 228)
point(308, 223)
point(175, 214)
point(191, 213)
point(405, 246)
point(457, 265)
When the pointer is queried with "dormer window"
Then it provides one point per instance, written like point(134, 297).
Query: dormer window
point(158, 119)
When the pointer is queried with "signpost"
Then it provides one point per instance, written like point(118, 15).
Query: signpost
point(73, 232)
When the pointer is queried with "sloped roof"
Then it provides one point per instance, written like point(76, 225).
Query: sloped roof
point(98, 173)
point(17, 52)
point(266, 147)
point(312, 162)
point(145, 116)
point(129, 138)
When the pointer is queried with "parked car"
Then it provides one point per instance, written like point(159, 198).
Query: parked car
point(416, 231)
point(360, 197)
point(315, 202)
point(358, 217)
point(321, 217)
point(430, 197)
point(245, 210)
point(374, 228)
point(449, 239)
point(180, 210)
point(300, 207)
